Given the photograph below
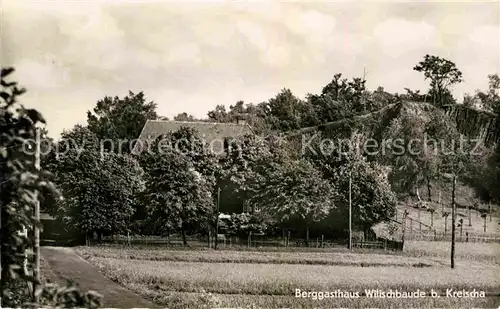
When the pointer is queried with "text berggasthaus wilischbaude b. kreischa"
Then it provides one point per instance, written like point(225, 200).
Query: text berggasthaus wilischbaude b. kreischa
point(390, 293)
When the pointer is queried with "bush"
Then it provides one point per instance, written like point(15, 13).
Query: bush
point(21, 186)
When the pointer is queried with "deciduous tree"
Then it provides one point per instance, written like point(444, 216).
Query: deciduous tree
point(284, 111)
point(20, 186)
point(339, 99)
point(373, 200)
point(180, 199)
point(490, 99)
point(99, 188)
point(121, 119)
point(293, 191)
point(180, 183)
point(219, 114)
point(184, 117)
point(442, 74)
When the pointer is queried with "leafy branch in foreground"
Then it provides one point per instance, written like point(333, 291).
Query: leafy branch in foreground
point(20, 186)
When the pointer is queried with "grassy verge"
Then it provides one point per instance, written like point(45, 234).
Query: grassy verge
point(480, 252)
point(252, 279)
point(179, 300)
point(255, 257)
point(268, 279)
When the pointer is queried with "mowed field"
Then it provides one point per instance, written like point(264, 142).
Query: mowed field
point(262, 279)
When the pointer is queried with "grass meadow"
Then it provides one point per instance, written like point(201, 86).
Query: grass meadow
point(263, 279)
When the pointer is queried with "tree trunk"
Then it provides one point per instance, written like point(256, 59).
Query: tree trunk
point(365, 233)
point(429, 189)
point(307, 237)
point(434, 96)
point(418, 195)
point(183, 233)
point(88, 236)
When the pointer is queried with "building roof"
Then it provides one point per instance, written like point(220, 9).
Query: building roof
point(209, 131)
point(46, 216)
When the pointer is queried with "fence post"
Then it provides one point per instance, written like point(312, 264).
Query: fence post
point(209, 239)
point(466, 236)
point(288, 239)
point(322, 241)
point(284, 237)
point(317, 242)
point(435, 235)
point(250, 239)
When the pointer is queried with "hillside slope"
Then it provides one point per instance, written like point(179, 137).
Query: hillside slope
point(419, 121)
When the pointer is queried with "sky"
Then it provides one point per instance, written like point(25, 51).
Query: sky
point(190, 56)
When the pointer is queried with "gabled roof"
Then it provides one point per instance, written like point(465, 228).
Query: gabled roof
point(209, 131)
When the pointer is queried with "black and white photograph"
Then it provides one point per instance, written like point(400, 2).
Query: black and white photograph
point(249, 154)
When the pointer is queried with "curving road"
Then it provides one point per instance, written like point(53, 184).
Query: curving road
point(63, 264)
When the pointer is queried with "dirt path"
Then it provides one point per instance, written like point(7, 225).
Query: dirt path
point(64, 264)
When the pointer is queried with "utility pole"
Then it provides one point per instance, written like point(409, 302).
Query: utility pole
point(217, 219)
point(439, 200)
point(36, 271)
point(403, 228)
point(469, 214)
point(453, 214)
point(350, 210)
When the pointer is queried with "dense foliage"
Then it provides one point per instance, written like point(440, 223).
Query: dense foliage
point(243, 223)
point(269, 175)
point(100, 189)
point(443, 74)
point(180, 179)
point(21, 183)
point(120, 119)
point(293, 191)
point(373, 200)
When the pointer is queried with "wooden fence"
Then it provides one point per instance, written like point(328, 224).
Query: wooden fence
point(439, 236)
point(417, 230)
point(174, 241)
point(252, 241)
